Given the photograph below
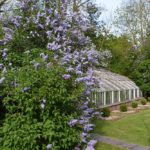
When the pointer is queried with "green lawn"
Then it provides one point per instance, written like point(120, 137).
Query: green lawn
point(134, 128)
point(103, 146)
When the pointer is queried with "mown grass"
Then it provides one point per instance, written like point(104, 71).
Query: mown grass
point(133, 128)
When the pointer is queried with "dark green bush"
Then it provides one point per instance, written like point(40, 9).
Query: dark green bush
point(39, 109)
point(105, 112)
point(148, 99)
point(123, 108)
point(143, 101)
point(134, 104)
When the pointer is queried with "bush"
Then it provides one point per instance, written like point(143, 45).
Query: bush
point(123, 108)
point(143, 101)
point(134, 104)
point(105, 112)
point(39, 108)
point(40, 96)
point(148, 99)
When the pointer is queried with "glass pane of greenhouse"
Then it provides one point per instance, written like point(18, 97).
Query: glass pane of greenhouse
point(116, 96)
point(101, 98)
point(122, 95)
point(132, 94)
point(108, 98)
point(127, 94)
point(136, 92)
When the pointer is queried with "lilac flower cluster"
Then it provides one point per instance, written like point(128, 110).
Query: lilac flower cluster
point(91, 144)
point(70, 46)
point(7, 36)
point(84, 121)
point(26, 89)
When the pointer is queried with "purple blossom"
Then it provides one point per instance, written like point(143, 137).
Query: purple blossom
point(88, 92)
point(53, 46)
point(47, 22)
point(41, 26)
point(77, 148)
point(44, 57)
point(90, 110)
point(60, 29)
point(49, 10)
point(88, 127)
point(66, 76)
point(63, 1)
point(4, 55)
point(92, 143)
point(26, 89)
point(49, 33)
point(16, 22)
point(70, 69)
point(96, 113)
point(83, 136)
point(8, 30)
point(79, 72)
point(84, 121)
point(7, 37)
point(49, 146)
point(90, 148)
point(73, 122)
point(66, 59)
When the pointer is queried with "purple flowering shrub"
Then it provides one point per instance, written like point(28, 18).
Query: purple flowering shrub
point(46, 66)
point(44, 26)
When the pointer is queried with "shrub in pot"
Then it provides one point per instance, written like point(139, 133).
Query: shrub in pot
point(134, 104)
point(123, 108)
point(105, 112)
point(143, 101)
point(148, 99)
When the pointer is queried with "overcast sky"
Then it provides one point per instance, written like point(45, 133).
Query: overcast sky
point(110, 6)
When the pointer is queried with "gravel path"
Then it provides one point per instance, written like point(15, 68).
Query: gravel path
point(118, 143)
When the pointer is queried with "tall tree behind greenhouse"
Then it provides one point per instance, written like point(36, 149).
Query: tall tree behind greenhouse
point(133, 18)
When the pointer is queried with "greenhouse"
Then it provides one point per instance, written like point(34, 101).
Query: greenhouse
point(114, 89)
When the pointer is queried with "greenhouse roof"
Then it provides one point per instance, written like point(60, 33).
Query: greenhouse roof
point(110, 81)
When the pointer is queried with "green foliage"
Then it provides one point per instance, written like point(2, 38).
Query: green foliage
point(143, 101)
point(37, 114)
point(123, 108)
point(142, 76)
point(1, 32)
point(148, 99)
point(134, 104)
point(105, 112)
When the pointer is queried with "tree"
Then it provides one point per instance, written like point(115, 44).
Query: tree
point(142, 76)
point(133, 19)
